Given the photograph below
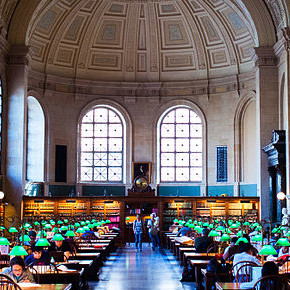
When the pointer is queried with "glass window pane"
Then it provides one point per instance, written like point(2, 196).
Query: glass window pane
point(167, 174)
point(115, 174)
point(182, 130)
point(101, 144)
point(86, 174)
point(115, 159)
point(182, 145)
point(115, 130)
point(182, 115)
point(101, 130)
point(167, 159)
point(182, 159)
point(167, 130)
point(89, 117)
point(115, 144)
point(182, 174)
point(100, 173)
point(114, 118)
point(167, 145)
point(87, 144)
point(87, 130)
point(196, 159)
point(195, 174)
point(101, 115)
point(87, 159)
point(169, 118)
point(100, 159)
point(196, 130)
point(194, 118)
point(196, 145)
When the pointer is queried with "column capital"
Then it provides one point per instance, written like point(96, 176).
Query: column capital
point(264, 56)
point(19, 55)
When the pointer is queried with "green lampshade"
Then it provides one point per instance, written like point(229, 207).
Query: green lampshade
point(93, 220)
point(42, 242)
point(48, 226)
point(220, 228)
point(191, 226)
point(80, 231)
point(127, 219)
point(275, 230)
point(25, 238)
point(242, 239)
point(36, 223)
point(195, 222)
point(12, 230)
point(246, 223)
point(288, 234)
point(103, 222)
point(59, 222)
point(55, 230)
point(258, 228)
point(63, 228)
point(4, 241)
point(83, 223)
point(200, 230)
point(205, 224)
point(44, 223)
point(86, 228)
point(230, 222)
point(91, 226)
point(187, 224)
point(2, 228)
point(234, 226)
point(175, 220)
point(88, 222)
point(213, 233)
point(225, 238)
point(283, 242)
point(77, 225)
point(199, 223)
point(211, 226)
point(108, 222)
point(95, 224)
point(268, 250)
point(240, 233)
point(228, 231)
point(257, 238)
point(18, 251)
point(58, 237)
point(196, 228)
point(52, 222)
point(27, 225)
point(190, 220)
point(65, 221)
point(70, 233)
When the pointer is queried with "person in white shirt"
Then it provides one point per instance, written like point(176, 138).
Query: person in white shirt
point(284, 251)
point(246, 254)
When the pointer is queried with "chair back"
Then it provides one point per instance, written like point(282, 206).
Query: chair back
point(243, 271)
point(6, 283)
point(212, 248)
point(40, 270)
point(272, 282)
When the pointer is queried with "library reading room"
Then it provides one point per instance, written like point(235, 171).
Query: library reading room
point(144, 144)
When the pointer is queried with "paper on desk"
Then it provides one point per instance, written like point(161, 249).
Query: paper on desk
point(64, 268)
point(26, 285)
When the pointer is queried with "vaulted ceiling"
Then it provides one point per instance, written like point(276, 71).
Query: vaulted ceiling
point(140, 40)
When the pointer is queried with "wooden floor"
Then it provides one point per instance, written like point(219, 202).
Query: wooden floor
point(147, 270)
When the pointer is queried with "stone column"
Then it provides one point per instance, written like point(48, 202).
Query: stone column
point(17, 79)
point(282, 50)
point(267, 117)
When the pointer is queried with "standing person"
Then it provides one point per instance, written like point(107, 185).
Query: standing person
point(138, 230)
point(156, 224)
point(152, 231)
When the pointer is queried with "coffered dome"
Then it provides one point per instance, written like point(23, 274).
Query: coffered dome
point(141, 40)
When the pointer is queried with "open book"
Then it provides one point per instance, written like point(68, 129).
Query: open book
point(26, 285)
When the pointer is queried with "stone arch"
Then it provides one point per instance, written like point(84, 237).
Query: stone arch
point(238, 133)
point(128, 133)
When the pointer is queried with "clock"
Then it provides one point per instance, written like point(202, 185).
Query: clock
point(141, 182)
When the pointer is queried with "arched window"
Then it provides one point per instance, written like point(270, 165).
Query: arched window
point(1, 108)
point(35, 141)
point(180, 135)
point(102, 145)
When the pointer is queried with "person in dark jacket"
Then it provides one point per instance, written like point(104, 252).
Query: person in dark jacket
point(201, 243)
point(38, 257)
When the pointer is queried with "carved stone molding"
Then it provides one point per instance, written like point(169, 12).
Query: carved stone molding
point(19, 55)
point(264, 56)
point(283, 43)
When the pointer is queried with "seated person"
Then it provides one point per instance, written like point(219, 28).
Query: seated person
point(284, 251)
point(184, 231)
point(269, 268)
point(201, 243)
point(60, 246)
point(174, 228)
point(32, 236)
point(17, 271)
point(231, 249)
point(246, 254)
point(38, 257)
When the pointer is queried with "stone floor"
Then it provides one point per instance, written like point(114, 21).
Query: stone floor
point(147, 270)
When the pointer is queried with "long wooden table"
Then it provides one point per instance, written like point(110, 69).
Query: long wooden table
point(198, 265)
point(49, 287)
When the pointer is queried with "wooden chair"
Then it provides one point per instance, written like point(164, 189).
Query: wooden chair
point(6, 283)
point(272, 282)
point(212, 248)
point(50, 269)
point(241, 270)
